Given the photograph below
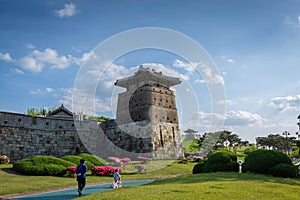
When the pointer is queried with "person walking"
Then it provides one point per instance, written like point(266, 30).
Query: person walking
point(81, 175)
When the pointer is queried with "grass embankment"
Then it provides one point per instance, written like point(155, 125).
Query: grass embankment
point(209, 186)
point(12, 183)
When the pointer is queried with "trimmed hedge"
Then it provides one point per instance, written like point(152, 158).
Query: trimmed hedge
point(221, 160)
point(42, 166)
point(261, 161)
point(97, 161)
point(91, 160)
point(284, 170)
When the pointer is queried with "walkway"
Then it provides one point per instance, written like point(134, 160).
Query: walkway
point(72, 193)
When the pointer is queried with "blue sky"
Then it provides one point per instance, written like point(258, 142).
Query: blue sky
point(254, 44)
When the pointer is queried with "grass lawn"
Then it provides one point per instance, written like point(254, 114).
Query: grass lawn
point(174, 181)
point(11, 183)
point(209, 186)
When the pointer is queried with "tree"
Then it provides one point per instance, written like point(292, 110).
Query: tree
point(39, 112)
point(276, 141)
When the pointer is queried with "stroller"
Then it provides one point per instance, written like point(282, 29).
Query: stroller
point(116, 184)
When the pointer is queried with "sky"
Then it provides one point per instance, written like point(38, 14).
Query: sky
point(254, 45)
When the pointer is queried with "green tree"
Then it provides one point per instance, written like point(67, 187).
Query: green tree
point(39, 112)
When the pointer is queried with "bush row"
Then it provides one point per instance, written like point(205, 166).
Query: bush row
point(52, 166)
point(268, 162)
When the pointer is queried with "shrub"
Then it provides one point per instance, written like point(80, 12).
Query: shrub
point(221, 160)
point(95, 160)
point(261, 160)
point(42, 165)
point(73, 159)
point(283, 170)
point(198, 168)
point(229, 153)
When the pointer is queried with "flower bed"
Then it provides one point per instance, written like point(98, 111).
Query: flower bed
point(71, 170)
point(105, 170)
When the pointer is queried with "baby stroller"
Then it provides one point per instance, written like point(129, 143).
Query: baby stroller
point(116, 184)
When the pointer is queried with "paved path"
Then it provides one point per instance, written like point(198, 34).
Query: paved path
point(72, 193)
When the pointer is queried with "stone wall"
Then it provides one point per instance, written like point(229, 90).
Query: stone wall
point(23, 136)
point(156, 140)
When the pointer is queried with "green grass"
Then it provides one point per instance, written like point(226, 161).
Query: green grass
point(190, 146)
point(11, 183)
point(209, 186)
point(174, 181)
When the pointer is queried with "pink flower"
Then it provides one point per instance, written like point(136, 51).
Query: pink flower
point(125, 160)
point(71, 169)
point(104, 170)
point(144, 159)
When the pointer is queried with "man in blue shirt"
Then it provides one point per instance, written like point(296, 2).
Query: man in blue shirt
point(81, 175)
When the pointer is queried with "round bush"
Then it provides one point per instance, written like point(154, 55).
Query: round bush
point(222, 160)
point(198, 168)
point(76, 160)
point(261, 160)
point(42, 165)
point(95, 160)
point(284, 170)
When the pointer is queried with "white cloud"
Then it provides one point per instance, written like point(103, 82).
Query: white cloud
point(285, 103)
point(30, 46)
point(69, 10)
point(41, 92)
point(230, 60)
point(17, 71)
point(294, 22)
point(49, 89)
point(166, 71)
point(6, 57)
point(228, 102)
point(243, 118)
point(235, 119)
point(209, 74)
point(80, 101)
point(189, 67)
point(200, 81)
point(37, 60)
point(31, 64)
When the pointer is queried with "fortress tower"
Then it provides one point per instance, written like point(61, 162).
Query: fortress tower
point(147, 115)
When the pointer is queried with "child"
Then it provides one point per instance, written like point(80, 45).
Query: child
point(117, 176)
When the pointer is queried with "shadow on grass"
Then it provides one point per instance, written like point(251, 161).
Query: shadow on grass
point(9, 170)
point(226, 176)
